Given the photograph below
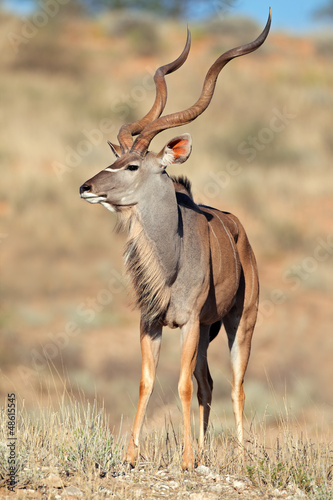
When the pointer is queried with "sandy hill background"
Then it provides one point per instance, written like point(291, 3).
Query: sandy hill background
point(263, 151)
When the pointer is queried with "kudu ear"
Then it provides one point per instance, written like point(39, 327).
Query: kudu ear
point(116, 150)
point(176, 151)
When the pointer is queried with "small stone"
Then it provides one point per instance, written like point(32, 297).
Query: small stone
point(162, 472)
point(120, 478)
point(279, 493)
point(53, 481)
point(295, 495)
point(203, 496)
point(138, 493)
point(239, 485)
point(217, 488)
point(72, 491)
point(300, 494)
point(104, 491)
point(203, 470)
point(28, 492)
point(45, 469)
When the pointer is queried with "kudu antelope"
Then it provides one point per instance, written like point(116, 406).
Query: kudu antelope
point(191, 265)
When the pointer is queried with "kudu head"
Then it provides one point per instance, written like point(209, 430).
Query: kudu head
point(123, 183)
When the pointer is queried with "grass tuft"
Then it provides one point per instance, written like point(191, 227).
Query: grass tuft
point(75, 446)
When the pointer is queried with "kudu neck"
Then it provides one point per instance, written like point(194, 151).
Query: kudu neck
point(159, 217)
point(153, 248)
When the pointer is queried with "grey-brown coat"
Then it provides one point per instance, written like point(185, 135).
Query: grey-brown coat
point(191, 265)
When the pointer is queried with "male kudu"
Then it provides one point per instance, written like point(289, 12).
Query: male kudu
point(191, 265)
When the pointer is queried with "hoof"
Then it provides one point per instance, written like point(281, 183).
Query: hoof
point(128, 464)
point(188, 462)
point(131, 455)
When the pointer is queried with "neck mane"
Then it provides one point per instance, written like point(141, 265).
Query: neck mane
point(152, 257)
point(145, 269)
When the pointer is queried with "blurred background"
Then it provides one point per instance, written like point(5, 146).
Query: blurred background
point(71, 73)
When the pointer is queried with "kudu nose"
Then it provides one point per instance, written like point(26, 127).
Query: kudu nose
point(84, 188)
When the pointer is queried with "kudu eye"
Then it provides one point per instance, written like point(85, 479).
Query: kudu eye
point(132, 168)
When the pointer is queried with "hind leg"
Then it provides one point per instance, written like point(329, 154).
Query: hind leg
point(205, 384)
point(239, 324)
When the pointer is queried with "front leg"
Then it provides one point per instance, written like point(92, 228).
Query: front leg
point(190, 341)
point(150, 340)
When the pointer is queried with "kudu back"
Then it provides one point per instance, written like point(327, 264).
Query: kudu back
point(191, 265)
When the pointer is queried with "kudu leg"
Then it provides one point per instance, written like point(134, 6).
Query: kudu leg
point(205, 385)
point(150, 349)
point(190, 341)
point(239, 331)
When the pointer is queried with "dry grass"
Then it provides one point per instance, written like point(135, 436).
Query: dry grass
point(71, 445)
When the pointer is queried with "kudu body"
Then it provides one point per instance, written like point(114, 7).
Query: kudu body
point(191, 265)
